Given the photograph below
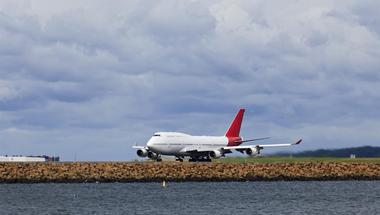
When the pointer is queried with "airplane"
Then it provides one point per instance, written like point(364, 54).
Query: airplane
point(203, 148)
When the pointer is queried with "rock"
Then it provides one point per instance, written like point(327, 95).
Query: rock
point(150, 171)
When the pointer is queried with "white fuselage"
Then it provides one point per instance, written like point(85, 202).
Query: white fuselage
point(175, 143)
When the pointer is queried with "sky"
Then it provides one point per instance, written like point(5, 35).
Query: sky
point(86, 80)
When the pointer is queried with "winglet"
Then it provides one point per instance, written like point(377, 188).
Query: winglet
point(298, 142)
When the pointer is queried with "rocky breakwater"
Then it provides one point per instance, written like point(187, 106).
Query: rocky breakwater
point(172, 171)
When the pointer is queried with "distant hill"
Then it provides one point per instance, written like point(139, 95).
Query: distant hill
point(363, 151)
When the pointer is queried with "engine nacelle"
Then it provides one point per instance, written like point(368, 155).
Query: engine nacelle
point(216, 154)
point(253, 151)
point(142, 153)
point(152, 155)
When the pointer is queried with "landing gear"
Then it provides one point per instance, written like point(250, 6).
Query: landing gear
point(207, 159)
point(180, 159)
point(200, 159)
point(154, 156)
point(158, 158)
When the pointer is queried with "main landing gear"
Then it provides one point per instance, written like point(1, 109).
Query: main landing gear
point(158, 158)
point(200, 159)
point(180, 159)
point(154, 156)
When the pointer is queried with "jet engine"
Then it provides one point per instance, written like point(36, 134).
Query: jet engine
point(142, 153)
point(216, 154)
point(253, 151)
point(152, 155)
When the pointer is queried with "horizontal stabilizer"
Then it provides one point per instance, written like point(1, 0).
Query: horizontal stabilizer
point(139, 147)
point(250, 140)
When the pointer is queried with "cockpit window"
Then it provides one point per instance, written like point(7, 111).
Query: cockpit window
point(156, 135)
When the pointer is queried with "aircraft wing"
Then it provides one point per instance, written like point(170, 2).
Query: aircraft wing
point(261, 146)
point(196, 149)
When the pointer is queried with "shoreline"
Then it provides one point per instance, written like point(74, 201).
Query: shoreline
point(124, 172)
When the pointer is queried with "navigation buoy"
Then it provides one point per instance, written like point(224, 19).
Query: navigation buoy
point(164, 183)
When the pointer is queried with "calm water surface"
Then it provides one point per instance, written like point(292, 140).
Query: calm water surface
point(348, 197)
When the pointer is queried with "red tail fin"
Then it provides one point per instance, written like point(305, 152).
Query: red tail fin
point(234, 130)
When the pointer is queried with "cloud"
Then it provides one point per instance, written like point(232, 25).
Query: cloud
point(94, 79)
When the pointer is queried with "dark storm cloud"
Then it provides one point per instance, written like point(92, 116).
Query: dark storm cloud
point(76, 76)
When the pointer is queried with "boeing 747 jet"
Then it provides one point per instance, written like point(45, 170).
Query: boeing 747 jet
point(202, 148)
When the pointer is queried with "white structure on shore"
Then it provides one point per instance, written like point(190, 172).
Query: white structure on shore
point(27, 158)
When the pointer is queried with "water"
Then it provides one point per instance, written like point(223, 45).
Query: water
point(347, 197)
